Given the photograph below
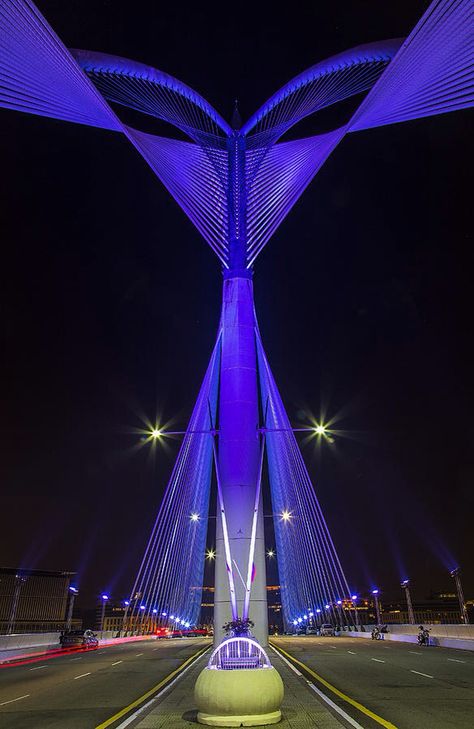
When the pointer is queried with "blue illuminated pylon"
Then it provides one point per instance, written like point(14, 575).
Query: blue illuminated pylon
point(237, 185)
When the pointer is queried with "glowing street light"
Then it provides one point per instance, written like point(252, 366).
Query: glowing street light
point(270, 553)
point(73, 591)
point(104, 599)
point(210, 554)
point(194, 517)
point(375, 593)
point(320, 429)
point(455, 574)
point(285, 515)
point(405, 585)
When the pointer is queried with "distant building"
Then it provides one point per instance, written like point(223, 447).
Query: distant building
point(33, 601)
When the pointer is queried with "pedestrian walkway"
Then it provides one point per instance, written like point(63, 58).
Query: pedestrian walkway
point(302, 709)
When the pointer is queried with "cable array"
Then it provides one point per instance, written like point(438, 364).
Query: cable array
point(38, 74)
point(326, 83)
point(168, 586)
point(432, 73)
point(282, 176)
point(311, 576)
point(196, 180)
point(155, 93)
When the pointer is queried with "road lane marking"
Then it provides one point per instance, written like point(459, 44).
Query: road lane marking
point(455, 660)
point(340, 694)
point(116, 663)
point(82, 675)
point(4, 703)
point(76, 659)
point(155, 649)
point(138, 655)
point(38, 668)
point(164, 684)
point(377, 659)
point(415, 653)
point(426, 675)
point(352, 653)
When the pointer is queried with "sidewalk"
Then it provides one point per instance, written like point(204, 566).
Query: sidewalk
point(301, 709)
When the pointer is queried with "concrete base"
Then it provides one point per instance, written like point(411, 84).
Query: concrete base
point(244, 697)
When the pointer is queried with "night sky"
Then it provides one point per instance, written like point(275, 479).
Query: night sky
point(110, 303)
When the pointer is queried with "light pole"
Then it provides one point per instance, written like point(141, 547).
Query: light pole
point(456, 575)
point(104, 598)
point(19, 580)
point(375, 593)
point(405, 585)
point(356, 613)
point(73, 591)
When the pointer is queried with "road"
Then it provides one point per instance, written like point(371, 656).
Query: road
point(409, 686)
point(79, 691)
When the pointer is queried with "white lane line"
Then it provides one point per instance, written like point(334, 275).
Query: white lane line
point(143, 708)
point(116, 663)
point(352, 653)
point(415, 653)
point(39, 667)
point(138, 655)
point(156, 649)
point(333, 647)
point(325, 698)
point(455, 660)
point(377, 659)
point(426, 675)
point(76, 659)
point(82, 675)
point(4, 703)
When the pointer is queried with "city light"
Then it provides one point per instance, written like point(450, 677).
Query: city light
point(318, 610)
point(164, 615)
point(354, 597)
point(210, 554)
point(300, 620)
point(142, 607)
point(339, 602)
point(156, 433)
point(305, 617)
point(154, 610)
point(270, 553)
point(310, 615)
point(375, 592)
point(327, 607)
point(404, 583)
point(171, 617)
point(74, 590)
point(194, 517)
point(104, 597)
point(320, 429)
point(295, 622)
point(285, 515)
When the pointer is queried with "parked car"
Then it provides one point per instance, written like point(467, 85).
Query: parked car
point(327, 629)
point(311, 631)
point(79, 639)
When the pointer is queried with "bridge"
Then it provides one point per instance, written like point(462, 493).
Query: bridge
point(237, 182)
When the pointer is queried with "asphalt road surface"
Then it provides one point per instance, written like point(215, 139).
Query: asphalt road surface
point(79, 691)
point(410, 686)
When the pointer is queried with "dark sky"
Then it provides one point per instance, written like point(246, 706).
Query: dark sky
point(110, 302)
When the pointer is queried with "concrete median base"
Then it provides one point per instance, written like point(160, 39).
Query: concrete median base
point(244, 697)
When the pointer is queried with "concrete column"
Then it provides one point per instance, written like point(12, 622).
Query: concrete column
point(239, 460)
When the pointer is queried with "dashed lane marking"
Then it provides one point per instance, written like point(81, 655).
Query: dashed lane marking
point(415, 653)
point(138, 655)
point(352, 653)
point(38, 668)
point(82, 675)
point(455, 660)
point(426, 675)
point(116, 663)
point(76, 659)
point(377, 659)
point(4, 703)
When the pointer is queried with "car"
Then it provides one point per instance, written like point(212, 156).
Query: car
point(327, 629)
point(311, 631)
point(79, 639)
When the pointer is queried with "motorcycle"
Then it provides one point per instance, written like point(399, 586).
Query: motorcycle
point(377, 634)
point(423, 636)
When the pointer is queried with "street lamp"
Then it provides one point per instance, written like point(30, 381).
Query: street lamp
point(104, 599)
point(375, 593)
point(194, 517)
point(73, 591)
point(455, 574)
point(405, 585)
point(210, 554)
point(354, 599)
point(270, 553)
point(285, 515)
